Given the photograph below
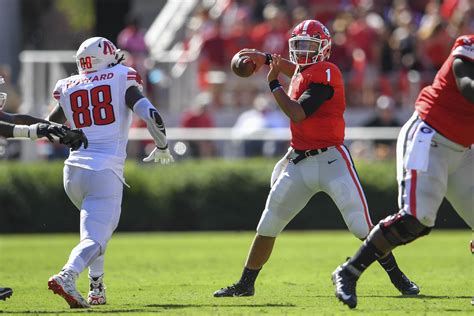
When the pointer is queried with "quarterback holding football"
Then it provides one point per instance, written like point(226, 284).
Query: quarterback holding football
point(317, 159)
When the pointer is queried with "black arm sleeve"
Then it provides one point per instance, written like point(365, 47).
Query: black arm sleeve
point(132, 95)
point(6, 129)
point(57, 115)
point(314, 97)
point(463, 70)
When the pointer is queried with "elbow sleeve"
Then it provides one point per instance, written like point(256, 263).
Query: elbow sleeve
point(147, 112)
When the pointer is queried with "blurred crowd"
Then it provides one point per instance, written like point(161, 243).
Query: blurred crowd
point(383, 47)
point(387, 50)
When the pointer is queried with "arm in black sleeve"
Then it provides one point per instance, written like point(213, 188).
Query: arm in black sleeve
point(6, 129)
point(20, 119)
point(314, 97)
point(57, 115)
point(463, 70)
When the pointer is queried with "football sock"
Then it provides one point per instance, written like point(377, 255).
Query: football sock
point(365, 256)
point(390, 266)
point(249, 276)
point(96, 268)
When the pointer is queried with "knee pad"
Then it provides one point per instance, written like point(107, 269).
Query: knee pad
point(402, 228)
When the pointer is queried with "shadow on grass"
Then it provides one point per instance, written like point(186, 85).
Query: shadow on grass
point(78, 311)
point(420, 296)
point(176, 306)
point(430, 297)
point(147, 308)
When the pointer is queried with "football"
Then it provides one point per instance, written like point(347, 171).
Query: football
point(242, 66)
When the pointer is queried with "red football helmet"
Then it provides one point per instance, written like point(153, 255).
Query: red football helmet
point(310, 43)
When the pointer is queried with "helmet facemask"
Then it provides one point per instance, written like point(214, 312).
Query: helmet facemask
point(3, 99)
point(306, 50)
point(3, 95)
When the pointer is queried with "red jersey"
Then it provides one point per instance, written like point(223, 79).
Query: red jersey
point(442, 106)
point(325, 127)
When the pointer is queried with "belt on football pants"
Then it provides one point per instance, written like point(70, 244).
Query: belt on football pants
point(303, 154)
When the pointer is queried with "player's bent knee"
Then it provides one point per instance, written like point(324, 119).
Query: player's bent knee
point(358, 226)
point(359, 231)
point(270, 225)
point(402, 228)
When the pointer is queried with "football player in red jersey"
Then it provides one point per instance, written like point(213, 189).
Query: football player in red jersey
point(434, 160)
point(317, 159)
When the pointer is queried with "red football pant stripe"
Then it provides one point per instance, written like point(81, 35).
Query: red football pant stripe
point(413, 193)
point(351, 169)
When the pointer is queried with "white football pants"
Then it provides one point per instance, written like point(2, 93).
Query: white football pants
point(98, 196)
point(332, 172)
point(450, 173)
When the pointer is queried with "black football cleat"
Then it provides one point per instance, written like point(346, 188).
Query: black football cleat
point(345, 282)
point(236, 289)
point(405, 286)
point(5, 292)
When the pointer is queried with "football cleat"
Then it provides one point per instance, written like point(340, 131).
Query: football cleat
point(405, 286)
point(5, 292)
point(64, 284)
point(96, 294)
point(345, 282)
point(236, 289)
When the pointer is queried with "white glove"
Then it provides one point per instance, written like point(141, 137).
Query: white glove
point(163, 156)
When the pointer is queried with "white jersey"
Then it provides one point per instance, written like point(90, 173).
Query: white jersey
point(95, 103)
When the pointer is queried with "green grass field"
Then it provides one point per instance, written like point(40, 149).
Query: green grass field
point(176, 273)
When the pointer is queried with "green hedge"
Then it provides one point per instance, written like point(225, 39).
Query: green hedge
point(192, 195)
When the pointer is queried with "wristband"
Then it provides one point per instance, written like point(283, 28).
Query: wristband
point(274, 84)
point(279, 87)
point(22, 131)
point(268, 58)
point(162, 148)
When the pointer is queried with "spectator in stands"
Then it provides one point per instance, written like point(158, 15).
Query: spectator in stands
point(238, 37)
point(199, 116)
point(262, 115)
point(435, 41)
point(385, 117)
point(364, 44)
point(249, 123)
point(272, 34)
point(132, 39)
point(340, 51)
point(213, 63)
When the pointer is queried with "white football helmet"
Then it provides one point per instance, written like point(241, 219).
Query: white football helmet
point(96, 53)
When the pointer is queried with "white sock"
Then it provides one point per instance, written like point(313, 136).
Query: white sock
point(96, 269)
